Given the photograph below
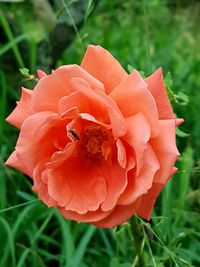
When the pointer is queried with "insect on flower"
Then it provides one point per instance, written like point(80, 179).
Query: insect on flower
point(74, 134)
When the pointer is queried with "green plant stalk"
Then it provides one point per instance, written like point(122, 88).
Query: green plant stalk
point(147, 42)
point(137, 233)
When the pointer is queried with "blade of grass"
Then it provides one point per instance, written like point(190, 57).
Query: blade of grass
point(65, 5)
point(67, 239)
point(183, 180)
point(80, 251)
point(3, 191)
point(106, 241)
point(147, 37)
point(5, 261)
point(13, 43)
point(11, 39)
point(171, 253)
point(19, 205)
point(167, 204)
point(3, 103)
point(25, 254)
point(33, 54)
point(42, 227)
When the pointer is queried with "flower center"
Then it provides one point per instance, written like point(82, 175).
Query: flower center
point(95, 143)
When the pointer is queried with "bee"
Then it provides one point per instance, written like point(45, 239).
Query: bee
point(74, 134)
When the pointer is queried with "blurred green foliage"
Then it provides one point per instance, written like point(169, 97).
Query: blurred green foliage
point(143, 34)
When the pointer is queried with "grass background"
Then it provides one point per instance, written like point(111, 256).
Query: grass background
point(143, 34)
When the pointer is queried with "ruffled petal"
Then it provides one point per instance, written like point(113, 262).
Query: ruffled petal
point(90, 216)
point(75, 99)
point(38, 136)
point(108, 106)
point(102, 65)
point(132, 96)
point(119, 215)
point(147, 201)
point(39, 186)
point(13, 161)
point(137, 137)
point(121, 153)
point(138, 186)
point(165, 149)
point(77, 186)
point(22, 110)
point(116, 180)
point(157, 88)
point(51, 88)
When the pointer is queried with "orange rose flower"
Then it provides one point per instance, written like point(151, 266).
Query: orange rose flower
point(98, 143)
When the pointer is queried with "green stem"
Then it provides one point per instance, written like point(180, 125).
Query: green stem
point(137, 232)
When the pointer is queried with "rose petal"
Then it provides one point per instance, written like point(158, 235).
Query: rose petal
point(39, 186)
point(13, 161)
point(179, 121)
point(119, 215)
point(41, 74)
point(121, 153)
point(147, 201)
point(132, 96)
point(59, 157)
point(51, 88)
point(165, 149)
point(102, 65)
point(137, 137)
point(75, 99)
point(138, 186)
point(22, 110)
point(37, 138)
point(98, 98)
point(90, 216)
point(157, 88)
point(77, 186)
point(116, 180)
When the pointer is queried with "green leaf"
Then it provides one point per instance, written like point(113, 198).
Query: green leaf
point(181, 133)
point(24, 72)
point(130, 68)
point(181, 98)
point(82, 246)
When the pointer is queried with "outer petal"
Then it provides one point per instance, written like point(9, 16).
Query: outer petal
point(138, 186)
point(13, 161)
point(40, 186)
point(102, 65)
point(148, 200)
point(165, 149)
point(137, 137)
point(22, 110)
point(132, 96)
point(119, 215)
point(51, 88)
point(77, 186)
point(116, 180)
point(157, 88)
point(90, 216)
point(38, 137)
point(41, 74)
